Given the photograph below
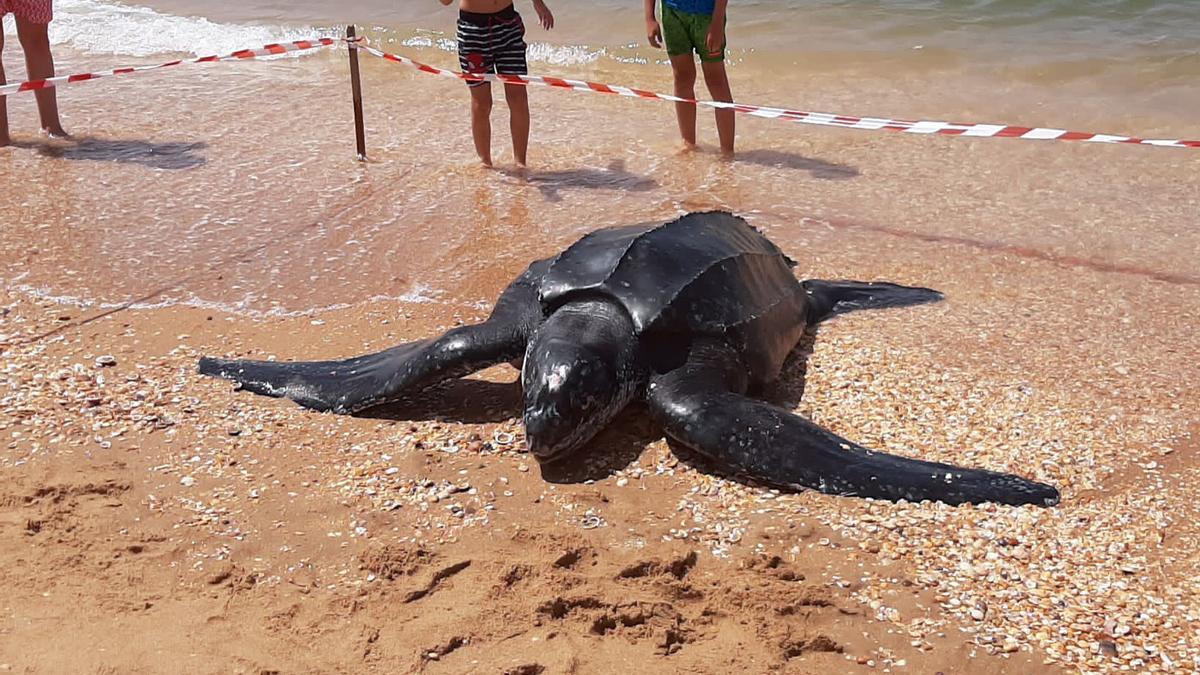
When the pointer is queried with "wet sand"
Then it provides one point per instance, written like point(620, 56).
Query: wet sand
point(231, 533)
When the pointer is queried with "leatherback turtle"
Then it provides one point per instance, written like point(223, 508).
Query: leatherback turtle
point(691, 316)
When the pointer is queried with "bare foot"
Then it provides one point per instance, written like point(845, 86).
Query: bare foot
point(5, 141)
point(688, 148)
point(727, 155)
point(56, 132)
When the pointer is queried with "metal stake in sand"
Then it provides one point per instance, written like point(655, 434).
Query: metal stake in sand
point(360, 135)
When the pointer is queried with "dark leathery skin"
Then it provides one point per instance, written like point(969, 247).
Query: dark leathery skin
point(700, 405)
point(693, 313)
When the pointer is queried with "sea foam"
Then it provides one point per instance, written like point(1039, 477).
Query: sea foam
point(96, 27)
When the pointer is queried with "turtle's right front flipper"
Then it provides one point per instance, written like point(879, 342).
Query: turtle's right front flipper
point(342, 387)
point(334, 386)
point(698, 406)
point(354, 384)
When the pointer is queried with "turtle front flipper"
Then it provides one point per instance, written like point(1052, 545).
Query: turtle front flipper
point(328, 386)
point(700, 405)
point(351, 385)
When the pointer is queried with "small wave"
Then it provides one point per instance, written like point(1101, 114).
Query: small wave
point(564, 55)
point(538, 52)
point(99, 27)
point(46, 295)
point(419, 294)
point(428, 40)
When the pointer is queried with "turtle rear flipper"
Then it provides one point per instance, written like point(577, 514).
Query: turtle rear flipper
point(699, 405)
point(828, 299)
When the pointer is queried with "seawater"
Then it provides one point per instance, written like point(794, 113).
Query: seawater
point(1094, 38)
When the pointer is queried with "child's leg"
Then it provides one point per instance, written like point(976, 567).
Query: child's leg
point(4, 138)
point(481, 121)
point(718, 87)
point(518, 109)
point(40, 64)
point(684, 68)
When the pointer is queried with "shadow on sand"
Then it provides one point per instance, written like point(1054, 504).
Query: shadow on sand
point(819, 168)
point(615, 177)
point(169, 156)
point(470, 401)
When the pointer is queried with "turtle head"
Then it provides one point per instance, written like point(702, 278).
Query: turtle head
point(579, 372)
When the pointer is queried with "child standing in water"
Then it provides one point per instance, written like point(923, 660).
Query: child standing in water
point(695, 26)
point(491, 39)
point(33, 18)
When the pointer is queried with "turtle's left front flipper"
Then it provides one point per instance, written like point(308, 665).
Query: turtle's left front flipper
point(700, 405)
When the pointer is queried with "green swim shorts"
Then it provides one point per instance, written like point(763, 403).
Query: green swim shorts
point(685, 33)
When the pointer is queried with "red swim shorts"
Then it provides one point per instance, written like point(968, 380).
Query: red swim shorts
point(33, 11)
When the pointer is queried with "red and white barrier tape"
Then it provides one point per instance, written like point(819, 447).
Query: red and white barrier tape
point(266, 50)
point(800, 116)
